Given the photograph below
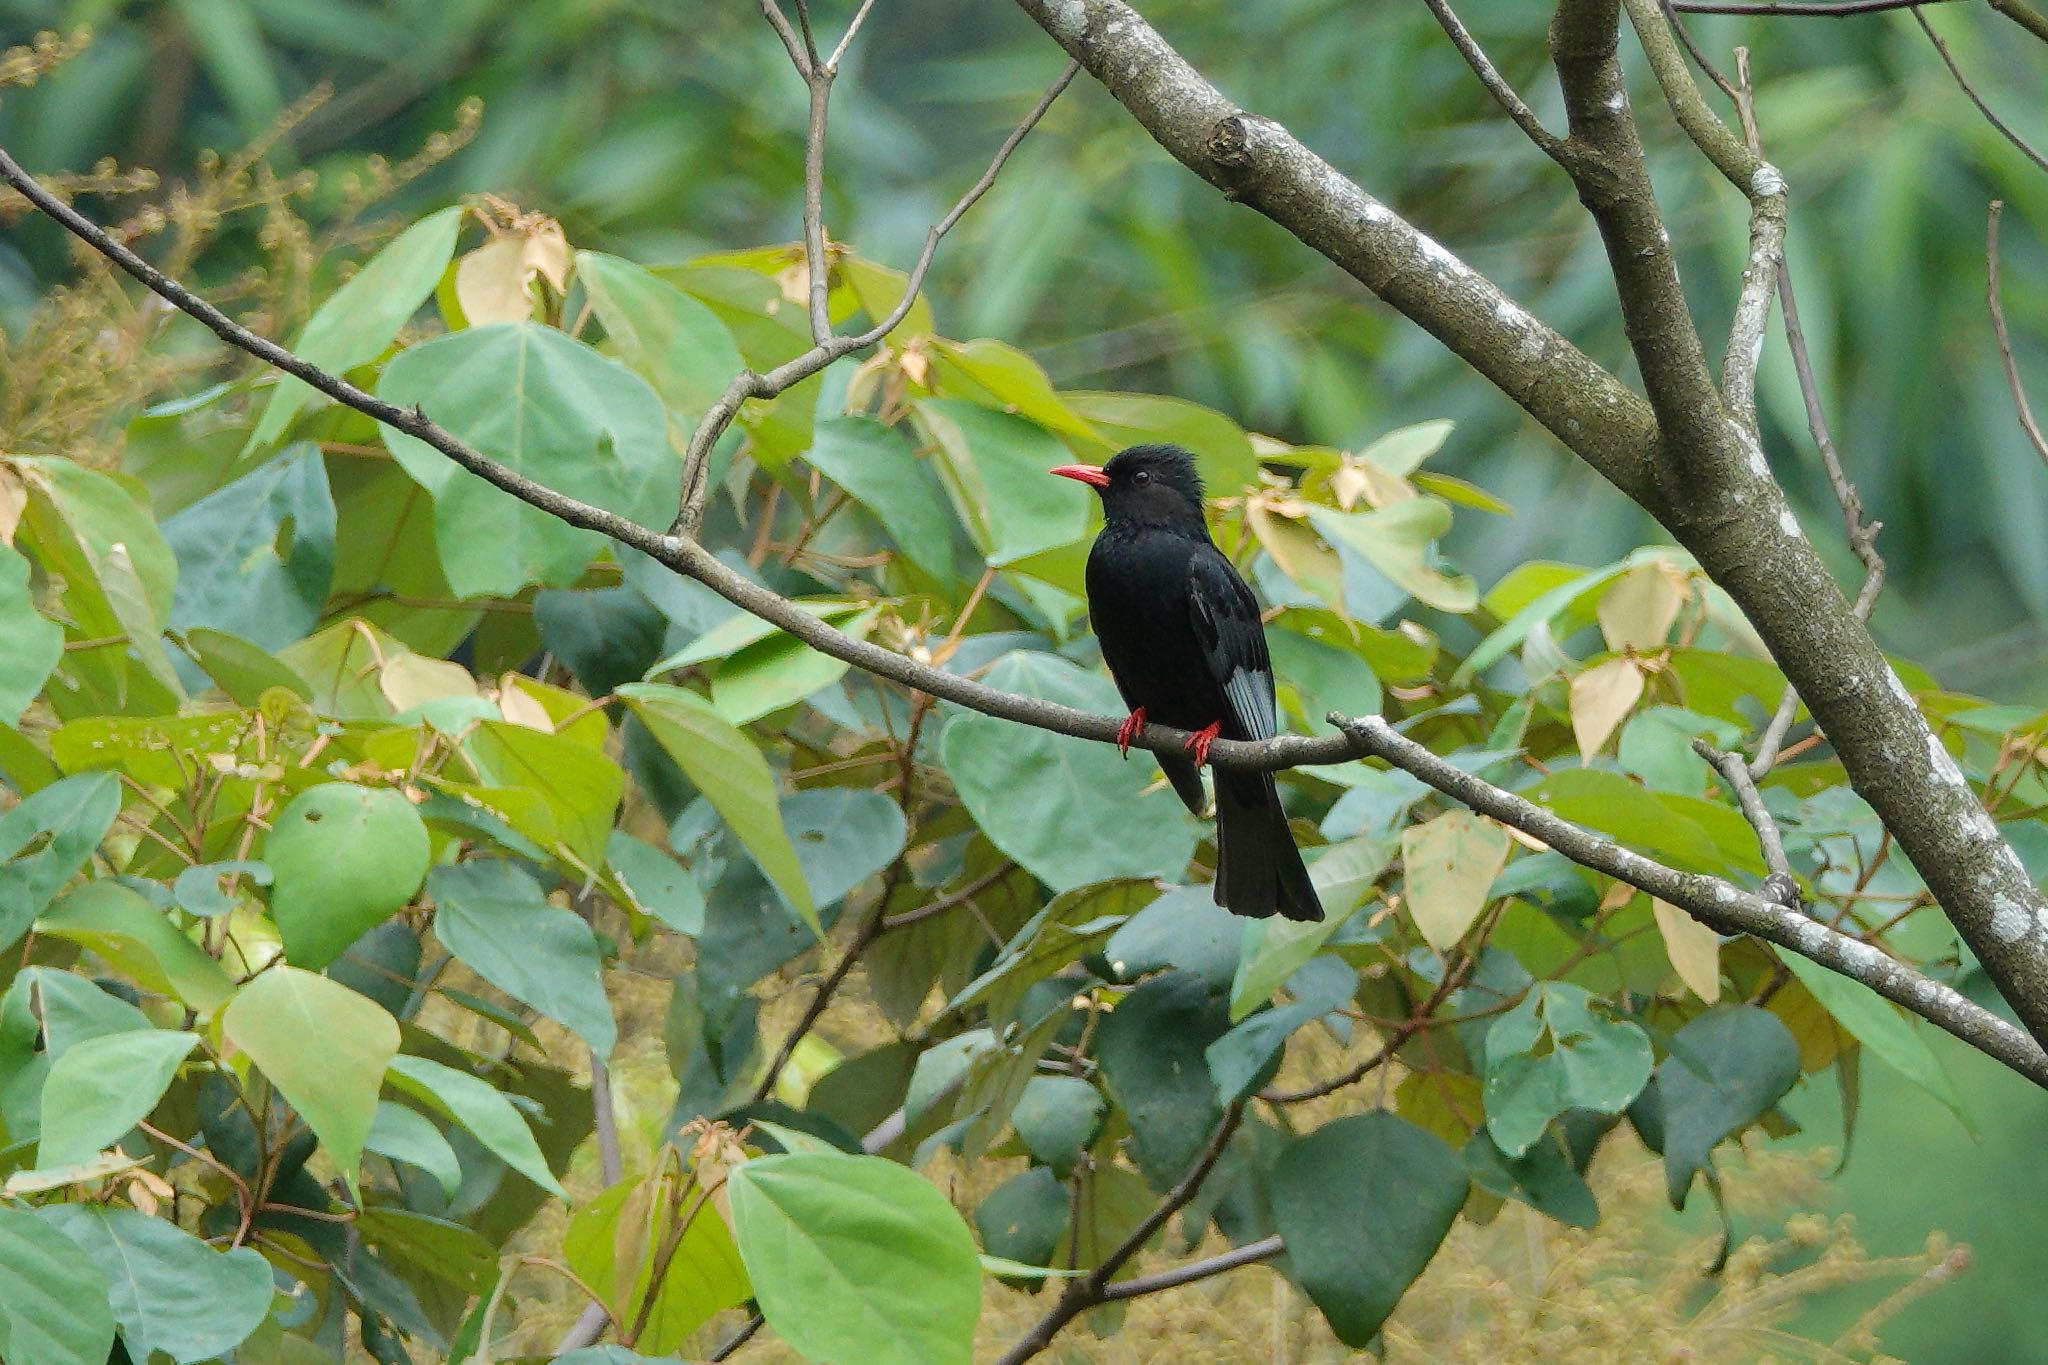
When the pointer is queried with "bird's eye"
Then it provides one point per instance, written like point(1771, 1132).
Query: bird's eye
point(1142, 476)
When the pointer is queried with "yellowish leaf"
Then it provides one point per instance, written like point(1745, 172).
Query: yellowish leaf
point(492, 282)
point(523, 708)
point(406, 680)
point(1602, 697)
point(1694, 950)
point(1639, 608)
point(1300, 553)
point(1451, 861)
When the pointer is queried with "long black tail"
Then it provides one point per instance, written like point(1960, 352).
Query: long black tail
point(1258, 868)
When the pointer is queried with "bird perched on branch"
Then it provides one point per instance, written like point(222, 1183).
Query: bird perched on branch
point(1181, 633)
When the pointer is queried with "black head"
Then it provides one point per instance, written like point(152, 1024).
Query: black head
point(1147, 485)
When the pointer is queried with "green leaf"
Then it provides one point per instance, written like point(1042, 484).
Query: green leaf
point(485, 1113)
point(729, 770)
point(1697, 835)
point(169, 1291)
point(439, 1247)
point(1071, 811)
point(843, 836)
point(1316, 678)
point(1077, 922)
point(407, 1135)
point(137, 940)
point(53, 1301)
point(1543, 1178)
point(704, 1275)
point(1363, 1204)
point(546, 406)
point(495, 918)
point(359, 320)
point(1551, 1053)
point(345, 858)
point(1879, 1026)
point(1451, 862)
point(1727, 1069)
point(994, 467)
point(72, 1009)
point(1056, 1118)
point(579, 788)
point(1022, 1220)
point(656, 884)
point(1151, 1048)
point(60, 825)
point(1402, 451)
point(34, 643)
point(100, 1089)
point(857, 1259)
point(1399, 540)
point(93, 534)
point(323, 1046)
point(1242, 1059)
point(662, 334)
point(257, 557)
point(879, 470)
point(781, 671)
point(242, 670)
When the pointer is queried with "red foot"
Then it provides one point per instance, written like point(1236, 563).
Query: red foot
point(1200, 740)
point(1134, 723)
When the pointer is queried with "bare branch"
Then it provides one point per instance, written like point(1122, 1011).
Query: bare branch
point(1091, 1289)
point(2027, 149)
point(1716, 903)
point(1699, 58)
point(1496, 84)
point(2012, 369)
point(1251, 1253)
point(817, 265)
point(860, 16)
point(2021, 13)
point(799, 56)
point(746, 384)
point(1737, 775)
point(1862, 535)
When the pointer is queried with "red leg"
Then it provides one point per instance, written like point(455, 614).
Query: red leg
point(1200, 740)
point(1129, 732)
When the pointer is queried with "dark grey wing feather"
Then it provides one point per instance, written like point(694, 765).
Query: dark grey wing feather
point(1233, 639)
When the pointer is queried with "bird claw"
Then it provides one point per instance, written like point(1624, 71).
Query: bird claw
point(1199, 742)
point(1129, 731)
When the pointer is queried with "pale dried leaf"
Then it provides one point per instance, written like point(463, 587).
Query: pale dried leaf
point(1451, 862)
point(523, 708)
point(410, 679)
point(1602, 697)
point(1300, 553)
point(13, 502)
point(491, 283)
point(1638, 609)
point(1694, 950)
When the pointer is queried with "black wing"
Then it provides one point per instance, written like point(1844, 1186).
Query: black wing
point(1233, 640)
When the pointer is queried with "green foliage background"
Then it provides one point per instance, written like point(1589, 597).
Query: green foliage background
point(665, 133)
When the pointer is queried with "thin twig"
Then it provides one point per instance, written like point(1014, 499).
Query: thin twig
point(1091, 1289)
point(860, 17)
point(1496, 84)
point(2012, 369)
point(1699, 56)
point(2027, 148)
point(1737, 775)
point(1251, 1253)
point(2021, 13)
point(738, 1339)
point(747, 384)
point(1409, 1027)
point(950, 899)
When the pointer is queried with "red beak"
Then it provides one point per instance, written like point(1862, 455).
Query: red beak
point(1086, 473)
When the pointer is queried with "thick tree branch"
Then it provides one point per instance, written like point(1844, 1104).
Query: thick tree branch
point(1257, 162)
